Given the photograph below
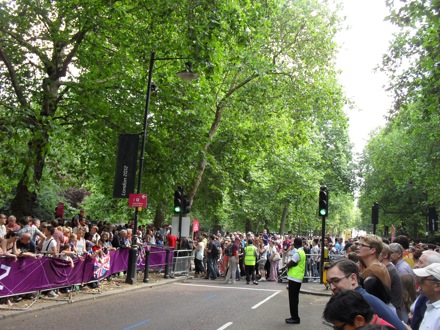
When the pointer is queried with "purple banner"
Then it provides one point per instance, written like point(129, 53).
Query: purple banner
point(30, 275)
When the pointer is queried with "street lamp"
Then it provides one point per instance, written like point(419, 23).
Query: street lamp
point(187, 75)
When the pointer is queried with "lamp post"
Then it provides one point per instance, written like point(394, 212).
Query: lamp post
point(187, 75)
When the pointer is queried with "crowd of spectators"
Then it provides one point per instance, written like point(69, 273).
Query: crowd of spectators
point(67, 240)
point(400, 274)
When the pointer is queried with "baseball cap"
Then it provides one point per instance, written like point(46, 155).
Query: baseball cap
point(432, 269)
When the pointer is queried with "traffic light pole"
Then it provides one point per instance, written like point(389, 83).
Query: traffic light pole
point(322, 250)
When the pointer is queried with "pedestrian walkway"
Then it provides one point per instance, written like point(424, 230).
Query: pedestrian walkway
point(315, 289)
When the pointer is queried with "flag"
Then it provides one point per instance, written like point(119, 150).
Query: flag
point(101, 265)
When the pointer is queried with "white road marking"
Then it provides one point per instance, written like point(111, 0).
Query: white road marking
point(227, 287)
point(267, 299)
point(225, 326)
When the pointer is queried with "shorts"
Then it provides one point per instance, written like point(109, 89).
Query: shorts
point(261, 264)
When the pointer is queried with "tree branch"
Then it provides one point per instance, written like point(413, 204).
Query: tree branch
point(14, 80)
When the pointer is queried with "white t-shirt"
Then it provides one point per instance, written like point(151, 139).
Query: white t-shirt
point(49, 245)
point(2, 231)
point(80, 246)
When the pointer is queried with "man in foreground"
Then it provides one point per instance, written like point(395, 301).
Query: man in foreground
point(343, 274)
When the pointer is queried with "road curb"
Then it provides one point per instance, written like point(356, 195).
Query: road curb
point(316, 293)
point(51, 304)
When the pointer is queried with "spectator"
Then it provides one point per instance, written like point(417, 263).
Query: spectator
point(66, 232)
point(396, 258)
point(348, 309)
point(8, 245)
point(89, 244)
point(25, 246)
point(49, 245)
point(316, 259)
point(27, 228)
point(81, 242)
point(171, 240)
point(65, 252)
point(409, 293)
point(121, 240)
point(429, 281)
point(105, 243)
point(274, 260)
point(232, 252)
point(58, 234)
point(396, 284)
point(369, 248)
point(77, 218)
point(81, 224)
point(12, 224)
point(212, 257)
point(2, 225)
point(198, 257)
point(262, 250)
point(95, 236)
point(418, 308)
point(407, 252)
point(73, 244)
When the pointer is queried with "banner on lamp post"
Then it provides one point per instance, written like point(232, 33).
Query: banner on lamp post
point(195, 226)
point(126, 161)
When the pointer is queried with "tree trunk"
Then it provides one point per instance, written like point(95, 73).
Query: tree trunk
point(214, 127)
point(283, 218)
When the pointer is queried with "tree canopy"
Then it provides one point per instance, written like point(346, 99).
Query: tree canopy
point(251, 140)
point(400, 166)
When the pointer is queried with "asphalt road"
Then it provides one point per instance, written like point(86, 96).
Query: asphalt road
point(192, 304)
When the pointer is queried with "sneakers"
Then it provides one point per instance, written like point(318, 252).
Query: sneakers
point(52, 294)
point(255, 282)
point(263, 279)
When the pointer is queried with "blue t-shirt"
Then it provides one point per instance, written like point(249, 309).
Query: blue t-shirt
point(382, 310)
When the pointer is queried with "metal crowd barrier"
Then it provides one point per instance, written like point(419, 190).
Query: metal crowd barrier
point(308, 276)
point(181, 262)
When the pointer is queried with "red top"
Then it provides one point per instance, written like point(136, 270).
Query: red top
point(172, 240)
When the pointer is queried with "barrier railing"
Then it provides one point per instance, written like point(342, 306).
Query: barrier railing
point(181, 262)
point(313, 271)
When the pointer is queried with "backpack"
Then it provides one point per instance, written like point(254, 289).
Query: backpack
point(214, 251)
point(229, 251)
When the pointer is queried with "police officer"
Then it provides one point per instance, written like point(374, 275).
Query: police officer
point(250, 259)
point(295, 274)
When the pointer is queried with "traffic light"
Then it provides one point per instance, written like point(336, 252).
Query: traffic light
point(433, 219)
point(375, 213)
point(178, 201)
point(186, 205)
point(323, 201)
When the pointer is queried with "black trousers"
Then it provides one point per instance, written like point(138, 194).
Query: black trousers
point(250, 272)
point(294, 288)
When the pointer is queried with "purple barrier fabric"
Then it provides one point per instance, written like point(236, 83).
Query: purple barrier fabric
point(157, 257)
point(29, 274)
